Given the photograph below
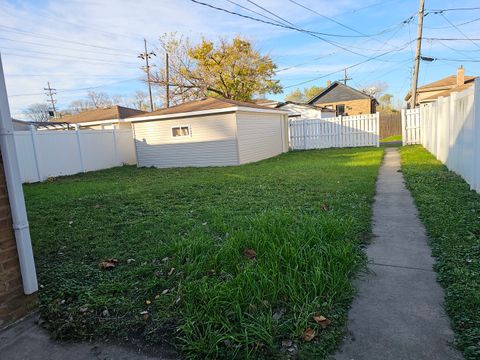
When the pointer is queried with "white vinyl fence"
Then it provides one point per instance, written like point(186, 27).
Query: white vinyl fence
point(49, 153)
point(341, 131)
point(450, 130)
point(411, 126)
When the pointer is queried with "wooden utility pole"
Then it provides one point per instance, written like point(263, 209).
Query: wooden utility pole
point(417, 55)
point(167, 82)
point(345, 77)
point(146, 56)
point(50, 92)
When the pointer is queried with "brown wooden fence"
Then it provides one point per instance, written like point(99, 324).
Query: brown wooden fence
point(390, 124)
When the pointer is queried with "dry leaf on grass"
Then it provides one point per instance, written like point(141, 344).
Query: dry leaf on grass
point(325, 207)
point(249, 253)
point(322, 321)
point(108, 264)
point(171, 271)
point(308, 334)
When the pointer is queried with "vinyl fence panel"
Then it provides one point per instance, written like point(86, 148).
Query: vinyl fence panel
point(50, 153)
point(449, 128)
point(341, 131)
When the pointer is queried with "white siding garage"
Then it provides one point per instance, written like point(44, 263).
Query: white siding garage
point(209, 132)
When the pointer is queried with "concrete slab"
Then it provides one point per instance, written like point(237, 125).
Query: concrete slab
point(398, 312)
point(25, 340)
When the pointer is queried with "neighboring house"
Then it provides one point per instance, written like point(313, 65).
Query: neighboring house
point(305, 111)
point(111, 117)
point(19, 125)
point(266, 102)
point(209, 132)
point(443, 87)
point(345, 100)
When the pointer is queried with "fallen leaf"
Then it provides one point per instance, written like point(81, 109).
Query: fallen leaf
point(105, 312)
point(148, 302)
point(308, 334)
point(249, 253)
point(97, 206)
point(322, 321)
point(325, 207)
point(129, 261)
point(146, 316)
point(157, 297)
point(108, 264)
point(165, 291)
point(171, 271)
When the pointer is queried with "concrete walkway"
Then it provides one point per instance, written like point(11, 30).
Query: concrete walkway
point(398, 313)
point(27, 341)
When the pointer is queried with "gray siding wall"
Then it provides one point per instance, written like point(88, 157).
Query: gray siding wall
point(212, 142)
point(260, 136)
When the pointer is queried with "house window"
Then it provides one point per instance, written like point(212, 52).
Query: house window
point(180, 131)
point(340, 109)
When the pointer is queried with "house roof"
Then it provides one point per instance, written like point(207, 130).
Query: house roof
point(442, 84)
point(316, 107)
point(339, 92)
point(206, 104)
point(107, 113)
point(449, 91)
point(266, 102)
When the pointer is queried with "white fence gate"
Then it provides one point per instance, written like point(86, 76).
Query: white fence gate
point(341, 131)
point(42, 154)
point(411, 126)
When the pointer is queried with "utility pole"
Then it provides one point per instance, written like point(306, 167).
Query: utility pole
point(146, 56)
point(345, 77)
point(417, 54)
point(167, 82)
point(50, 92)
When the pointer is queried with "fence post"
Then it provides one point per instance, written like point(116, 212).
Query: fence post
point(115, 150)
point(341, 142)
point(304, 123)
point(33, 136)
point(404, 129)
point(378, 128)
point(80, 155)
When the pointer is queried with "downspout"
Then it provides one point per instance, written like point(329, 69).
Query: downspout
point(15, 193)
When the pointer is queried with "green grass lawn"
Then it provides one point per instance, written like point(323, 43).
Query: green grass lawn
point(392, 138)
point(451, 214)
point(220, 262)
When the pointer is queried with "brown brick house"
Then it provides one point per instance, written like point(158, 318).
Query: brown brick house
point(443, 87)
point(345, 100)
point(18, 280)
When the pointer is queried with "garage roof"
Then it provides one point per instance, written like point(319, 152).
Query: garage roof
point(202, 107)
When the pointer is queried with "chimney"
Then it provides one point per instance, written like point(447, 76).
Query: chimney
point(329, 83)
point(460, 75)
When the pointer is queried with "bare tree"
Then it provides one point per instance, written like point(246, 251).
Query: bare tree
point(140, 100)
point(38, 112)
point(80, 105)
point(375, 89)
point(99, 99)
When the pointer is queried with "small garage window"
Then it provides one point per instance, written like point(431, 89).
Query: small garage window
point(181, 131)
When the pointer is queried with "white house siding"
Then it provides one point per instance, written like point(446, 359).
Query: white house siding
point(260, 136)
point(212, 142)
point(307, 112)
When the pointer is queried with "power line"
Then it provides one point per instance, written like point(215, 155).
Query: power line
point(326, 17)
point(435, 11)
point(55, 38)
point(460, 31)
point(343, 69)
point(451, 39)
point(449, 27)
point(311, 33)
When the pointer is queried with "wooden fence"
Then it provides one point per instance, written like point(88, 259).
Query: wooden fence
point(341, 131)
point(390, 124)
point(49, 153)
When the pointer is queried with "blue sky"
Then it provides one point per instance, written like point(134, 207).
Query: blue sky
point(82, 45)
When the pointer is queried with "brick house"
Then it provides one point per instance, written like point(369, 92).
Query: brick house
point(443, 87)
point(345, 100)
point(18, 280)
